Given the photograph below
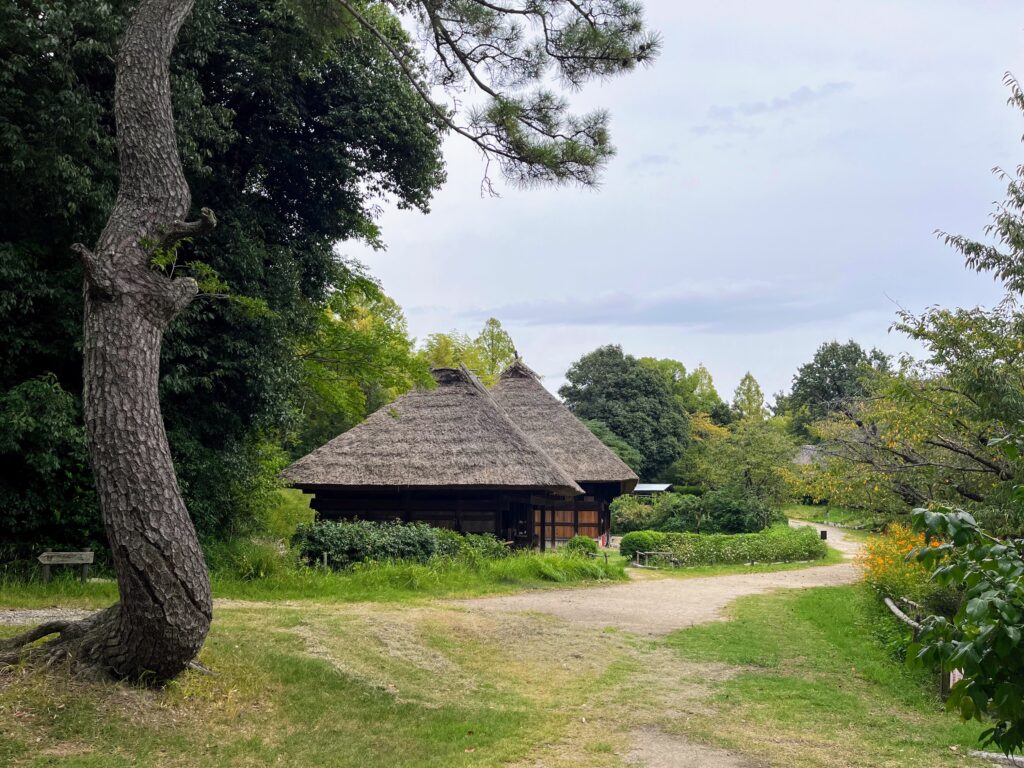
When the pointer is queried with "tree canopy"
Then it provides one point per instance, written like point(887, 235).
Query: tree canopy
point(487, 354)
point(748, 399)
point(633, 400)
point(293, 134)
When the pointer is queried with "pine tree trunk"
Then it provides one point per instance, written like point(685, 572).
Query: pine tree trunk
point(165, 608)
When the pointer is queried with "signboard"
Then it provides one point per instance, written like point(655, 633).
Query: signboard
point(66, 558)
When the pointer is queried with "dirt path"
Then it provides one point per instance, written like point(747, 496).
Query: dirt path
point(658, 606)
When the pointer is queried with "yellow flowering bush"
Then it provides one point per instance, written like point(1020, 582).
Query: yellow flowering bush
point(886, 567)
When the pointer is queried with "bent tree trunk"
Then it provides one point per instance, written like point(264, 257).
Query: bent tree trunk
point(164, 612)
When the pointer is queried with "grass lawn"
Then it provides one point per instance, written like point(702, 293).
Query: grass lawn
point(852, 518)
point(811, 687)
point(795, 679)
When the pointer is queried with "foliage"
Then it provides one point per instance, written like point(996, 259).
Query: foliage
point(642, 541)
point(581, 545)
point(887, 567)
point(695, 391)
point(635, 513)
point(292, 134)
point(486, 355)
point(249, 559)
point(983, 638)
point(344, 543)
point(633, 400)
point(751, 457)
point(728, 510)
point(833, 376)
point(630, 456)
point(778, 544)
point(748, 399)
point(357, 358)
point(46, 493)
point(731, 510)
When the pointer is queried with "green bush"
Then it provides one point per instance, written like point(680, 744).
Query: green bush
point(582, 545)
point(731, 510)
point(726, 510)
point(642, 541)
point(348, 542)
point(634, 513)
point(774, 545)
point(779, 544)
point(683, 513)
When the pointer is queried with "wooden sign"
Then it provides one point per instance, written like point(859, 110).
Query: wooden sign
point(66, 558)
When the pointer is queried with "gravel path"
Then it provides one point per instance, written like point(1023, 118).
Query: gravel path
point(658, 606)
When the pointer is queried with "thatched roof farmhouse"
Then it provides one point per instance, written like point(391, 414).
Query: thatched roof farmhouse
point(514, 462)
point(454, 436)
point(566, 439)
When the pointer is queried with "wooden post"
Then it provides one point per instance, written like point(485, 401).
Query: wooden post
point(46, 573)
point(543, 530)
point(575, 520)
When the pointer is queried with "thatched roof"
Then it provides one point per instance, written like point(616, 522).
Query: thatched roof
point(454, 435)
point(554, 428)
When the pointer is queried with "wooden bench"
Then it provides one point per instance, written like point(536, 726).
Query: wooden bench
point(83, 559)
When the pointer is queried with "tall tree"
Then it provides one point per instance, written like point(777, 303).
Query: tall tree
point(496, 350)
point(165, 608)
point(748, 399)
point(834, 376)
point(633, 400)
point(262, 94)
point(695, 390)
point(486, 355)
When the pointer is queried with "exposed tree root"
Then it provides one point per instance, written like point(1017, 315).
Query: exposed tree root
point(76, 645)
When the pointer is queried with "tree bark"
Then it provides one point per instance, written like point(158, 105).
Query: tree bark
point(165, 608)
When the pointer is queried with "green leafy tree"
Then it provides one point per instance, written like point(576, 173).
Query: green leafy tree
point(633, 400)
point(131, 301)
point(486, 355)
point(695, 390)
point(496, 350)
point(629, 455)
point(833, 377)
point(290, 145)
point(748, 399)
point(359, 358)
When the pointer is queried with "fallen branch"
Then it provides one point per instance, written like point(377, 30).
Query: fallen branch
point(901, 615)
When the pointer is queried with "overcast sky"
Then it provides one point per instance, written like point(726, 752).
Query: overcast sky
point(781, 170)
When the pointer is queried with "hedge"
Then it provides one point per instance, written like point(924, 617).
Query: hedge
point(642, 541)
point(779, 544)
point(347, 542)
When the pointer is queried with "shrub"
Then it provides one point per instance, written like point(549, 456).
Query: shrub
point(348, 542)
point(685, 513)
point(779, 544)
point(642, 541)
point(634, 513)
point(731, 510)
point(888, 568)
point(582, 545)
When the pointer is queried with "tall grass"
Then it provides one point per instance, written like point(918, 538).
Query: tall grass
point(463, 576)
